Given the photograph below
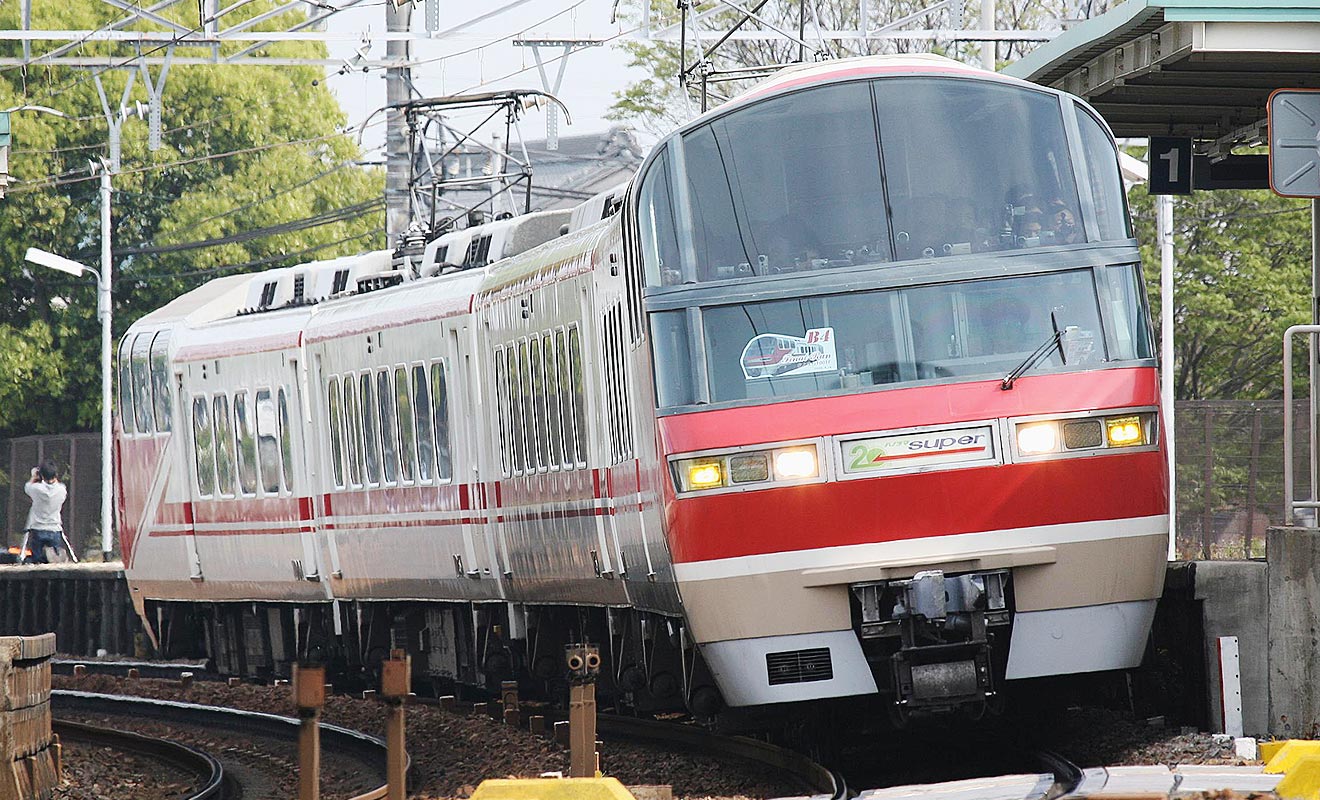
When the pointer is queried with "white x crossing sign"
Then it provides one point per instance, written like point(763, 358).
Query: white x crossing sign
point(1294, 117)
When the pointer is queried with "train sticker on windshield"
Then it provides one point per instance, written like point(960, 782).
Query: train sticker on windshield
point(774, 355)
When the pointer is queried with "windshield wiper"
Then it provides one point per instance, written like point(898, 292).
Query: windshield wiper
point(1038, 355)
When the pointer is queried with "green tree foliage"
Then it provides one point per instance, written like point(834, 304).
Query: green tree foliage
point(244, 148)
point(658, 102)
point(1242, 275)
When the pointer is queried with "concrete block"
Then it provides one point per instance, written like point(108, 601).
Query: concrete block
point(1294, 625)
point(1245, 747)
point(1235, 602)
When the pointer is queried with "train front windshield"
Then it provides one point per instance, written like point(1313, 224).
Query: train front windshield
point(842, 342)
point(871, 172)
point(869, 175)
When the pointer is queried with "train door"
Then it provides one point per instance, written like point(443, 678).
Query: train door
point(484, 543)
point(297, 452)
point(319, 489)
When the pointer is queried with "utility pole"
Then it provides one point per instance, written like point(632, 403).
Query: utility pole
point(988, 23)
point(104, 309)
point(398, 87)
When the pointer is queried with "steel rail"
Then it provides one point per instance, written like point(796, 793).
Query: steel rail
point(815, 776)
point(1067, 775)
point(369, 749)
point(196, 762)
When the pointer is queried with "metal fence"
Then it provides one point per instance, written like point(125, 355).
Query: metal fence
point(78, 456)
point(1230, 474)
point(1229, 453)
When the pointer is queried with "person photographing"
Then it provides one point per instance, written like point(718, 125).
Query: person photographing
point(45, 528)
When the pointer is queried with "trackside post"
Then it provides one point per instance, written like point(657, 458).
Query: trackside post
point(309, 696)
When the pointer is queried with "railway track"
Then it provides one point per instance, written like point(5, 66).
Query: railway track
point(254, 753)
point(205, 768)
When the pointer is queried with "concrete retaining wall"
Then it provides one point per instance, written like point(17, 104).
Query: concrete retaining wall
point(29, 760)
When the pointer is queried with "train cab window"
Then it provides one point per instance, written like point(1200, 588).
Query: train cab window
point(424, 425)
point(554, 429)
point(160, 380)
point(334, 407)
point(501, 413)
point(407, 431)
point(563, 400)
point(1127, 309)
point(388, 429)
point(440, 415)
point(370, 436)
point(352, 431)
point(286, 438)
point(203, 448)
point(224, 446)
point(1003, 179)
point(660, 253)
point(1104, 178)
point(247, 445)
point(126, 414)
point(536, 401)
point(576, 380)
point(515, 415)
point(142, 382)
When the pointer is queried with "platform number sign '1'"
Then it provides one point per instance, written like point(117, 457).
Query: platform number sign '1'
point(1170, 165)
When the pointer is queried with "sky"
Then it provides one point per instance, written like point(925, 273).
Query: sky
point(481, 58)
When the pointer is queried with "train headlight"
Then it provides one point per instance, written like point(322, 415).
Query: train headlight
point(795, 464)
point(1124, 431)
point(1035, 438)
point(705, 475)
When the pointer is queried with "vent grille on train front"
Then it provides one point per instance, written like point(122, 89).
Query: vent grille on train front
point(799, 666)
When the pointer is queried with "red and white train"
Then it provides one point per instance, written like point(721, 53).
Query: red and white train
point(850, 391)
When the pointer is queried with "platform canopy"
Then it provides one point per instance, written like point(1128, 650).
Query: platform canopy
point(1192, 68)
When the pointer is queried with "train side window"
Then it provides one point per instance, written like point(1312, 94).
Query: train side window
point(268, 444)
point(388, 427)
point(607, 345)
point(422, 421)
point(525, 407)
point(554, 432)
point(501, 391)
point(440, 414)
point(224, 446)
point(538, 402)
point(564, 385)
point(126, 418)
point(142, 382)
point(370, 441)
point(286, 438)
point(407, 431)
point(576, 380)
point(247, 446)
point(515, 419)
point(352, 431)
point(336, 430)
point(203, 448)
point(160, 380)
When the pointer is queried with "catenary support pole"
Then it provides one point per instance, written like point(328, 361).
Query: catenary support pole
point(398, 79)
point(988, 23)
point(104, 310)
point(1164, 220)
point(1314, 362)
